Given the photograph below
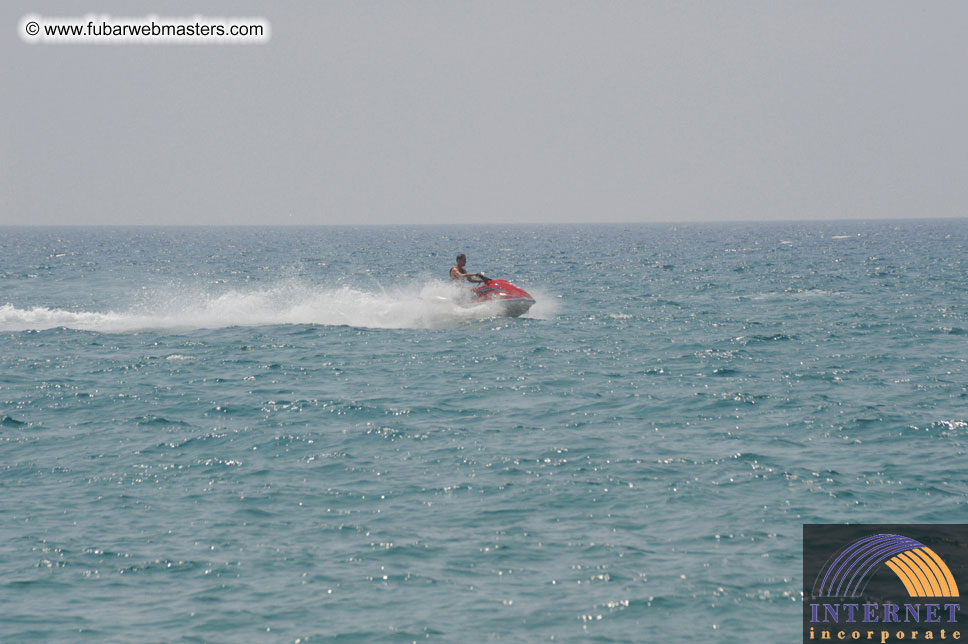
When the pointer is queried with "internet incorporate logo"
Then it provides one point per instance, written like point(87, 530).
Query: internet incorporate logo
point(883, 583)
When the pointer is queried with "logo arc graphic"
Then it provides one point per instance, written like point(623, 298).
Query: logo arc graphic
point(920, 569)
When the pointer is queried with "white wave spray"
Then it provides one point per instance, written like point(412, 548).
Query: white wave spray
point(433, 305)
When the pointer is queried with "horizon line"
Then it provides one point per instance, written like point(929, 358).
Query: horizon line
point(524, 223)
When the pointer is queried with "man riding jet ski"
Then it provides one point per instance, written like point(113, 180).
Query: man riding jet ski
point(514, 301)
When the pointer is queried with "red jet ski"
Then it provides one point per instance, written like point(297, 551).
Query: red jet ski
point(514, 301)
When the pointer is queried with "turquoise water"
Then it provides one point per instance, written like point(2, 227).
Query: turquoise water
point(282, 435)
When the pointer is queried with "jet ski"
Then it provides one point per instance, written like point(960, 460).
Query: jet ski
point(514, 300)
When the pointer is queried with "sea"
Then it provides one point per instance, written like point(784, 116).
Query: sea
point(305, 434)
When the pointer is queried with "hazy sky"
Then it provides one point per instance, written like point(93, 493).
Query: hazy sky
point(450, 111)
